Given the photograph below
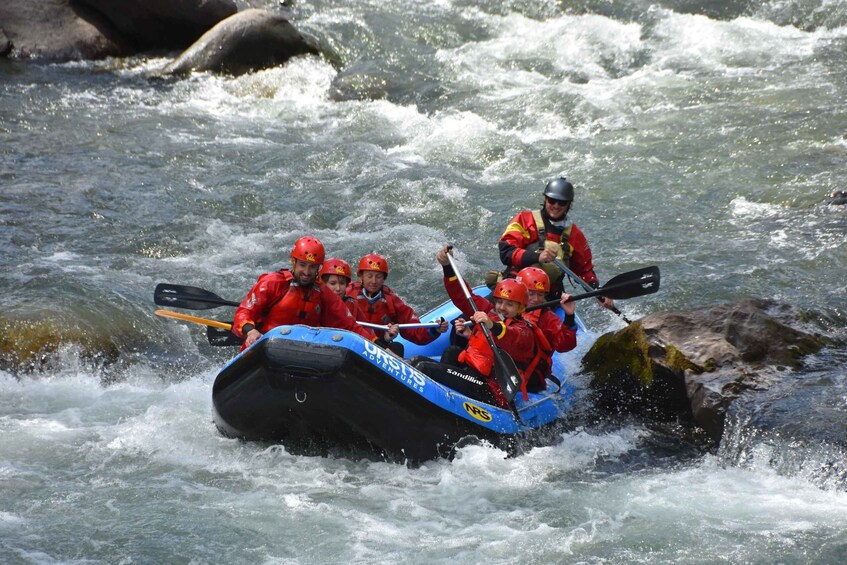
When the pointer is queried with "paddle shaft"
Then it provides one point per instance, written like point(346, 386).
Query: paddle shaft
point(401, 326)
point(193, 319)
point(587, 287)
point(597, 292)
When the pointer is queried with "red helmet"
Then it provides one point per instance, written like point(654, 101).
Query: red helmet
point(534, 279)
point(511, 289)
point(308, 249)
point(338, 267)
point(373, 262)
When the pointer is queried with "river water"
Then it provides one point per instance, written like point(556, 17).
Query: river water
point(702, 137)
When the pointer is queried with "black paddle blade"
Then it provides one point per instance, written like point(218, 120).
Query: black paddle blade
point(220, 337)
point(627, 285)
point(507, 374)
point(190, 297)
point(634, 283)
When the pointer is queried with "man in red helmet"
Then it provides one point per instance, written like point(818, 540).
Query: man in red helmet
point(534, 238)
point(470, 370)
point(294, 297)
point(378, 304)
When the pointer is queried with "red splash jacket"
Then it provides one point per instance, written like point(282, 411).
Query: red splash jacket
point(522, 232)
point(277, 300)
point(556, 335)
point(389, 309)
point(514, 336)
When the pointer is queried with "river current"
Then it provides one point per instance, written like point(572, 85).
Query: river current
point(702, 137)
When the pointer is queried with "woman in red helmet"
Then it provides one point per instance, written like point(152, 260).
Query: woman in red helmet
point(288, 297)
point(336, 275)
point(378, 304)
point(470, 370)
point(556, 334)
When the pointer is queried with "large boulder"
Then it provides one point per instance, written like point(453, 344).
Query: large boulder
point(162, 24)
point(694, 364)
point(65, 30)
point(248, 41)
point(58, 30)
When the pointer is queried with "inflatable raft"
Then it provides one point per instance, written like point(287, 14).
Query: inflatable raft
point(319, 389)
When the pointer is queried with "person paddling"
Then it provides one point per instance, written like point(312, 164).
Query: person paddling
point(469, 370)
point(539, 238)
point(379, 304)
point(288, 297)
point(556, 334)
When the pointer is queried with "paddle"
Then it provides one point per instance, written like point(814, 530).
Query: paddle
point(190, 297)
point(221, 338)
point(401, 326)
point(505, 370)
point(587, 287)
point(627, 285)
point(218, 333)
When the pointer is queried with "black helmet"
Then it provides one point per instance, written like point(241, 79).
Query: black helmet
point(559, 189)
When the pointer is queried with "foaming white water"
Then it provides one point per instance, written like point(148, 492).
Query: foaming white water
point(131, 459)
point(491, 64)
point(811, 235)
point(296, 90)
point(740, 46)
point(745, 210)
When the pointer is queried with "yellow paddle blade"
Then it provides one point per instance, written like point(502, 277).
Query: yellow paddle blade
point(195, 319)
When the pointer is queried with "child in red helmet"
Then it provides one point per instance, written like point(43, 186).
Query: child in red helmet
point(469, 370)
point(378, 304)
point(336, 275)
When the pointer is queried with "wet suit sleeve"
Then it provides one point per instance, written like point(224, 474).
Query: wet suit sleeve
point(457, 297)
point(405, 315)
point(560, 334)
point(581, 261)
point(254, 308)
point(516, 251)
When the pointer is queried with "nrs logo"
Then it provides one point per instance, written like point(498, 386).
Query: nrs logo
point(477, 412)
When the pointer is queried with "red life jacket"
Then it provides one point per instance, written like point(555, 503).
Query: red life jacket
point(478, 355)
point(298, 305)
point(541, 361)
point(381, 311)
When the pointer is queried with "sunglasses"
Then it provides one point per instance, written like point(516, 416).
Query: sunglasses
point(558, 202)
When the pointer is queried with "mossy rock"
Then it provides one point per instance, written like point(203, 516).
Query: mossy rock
point(698, 362)
point(27, 346)
point(620, 353)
